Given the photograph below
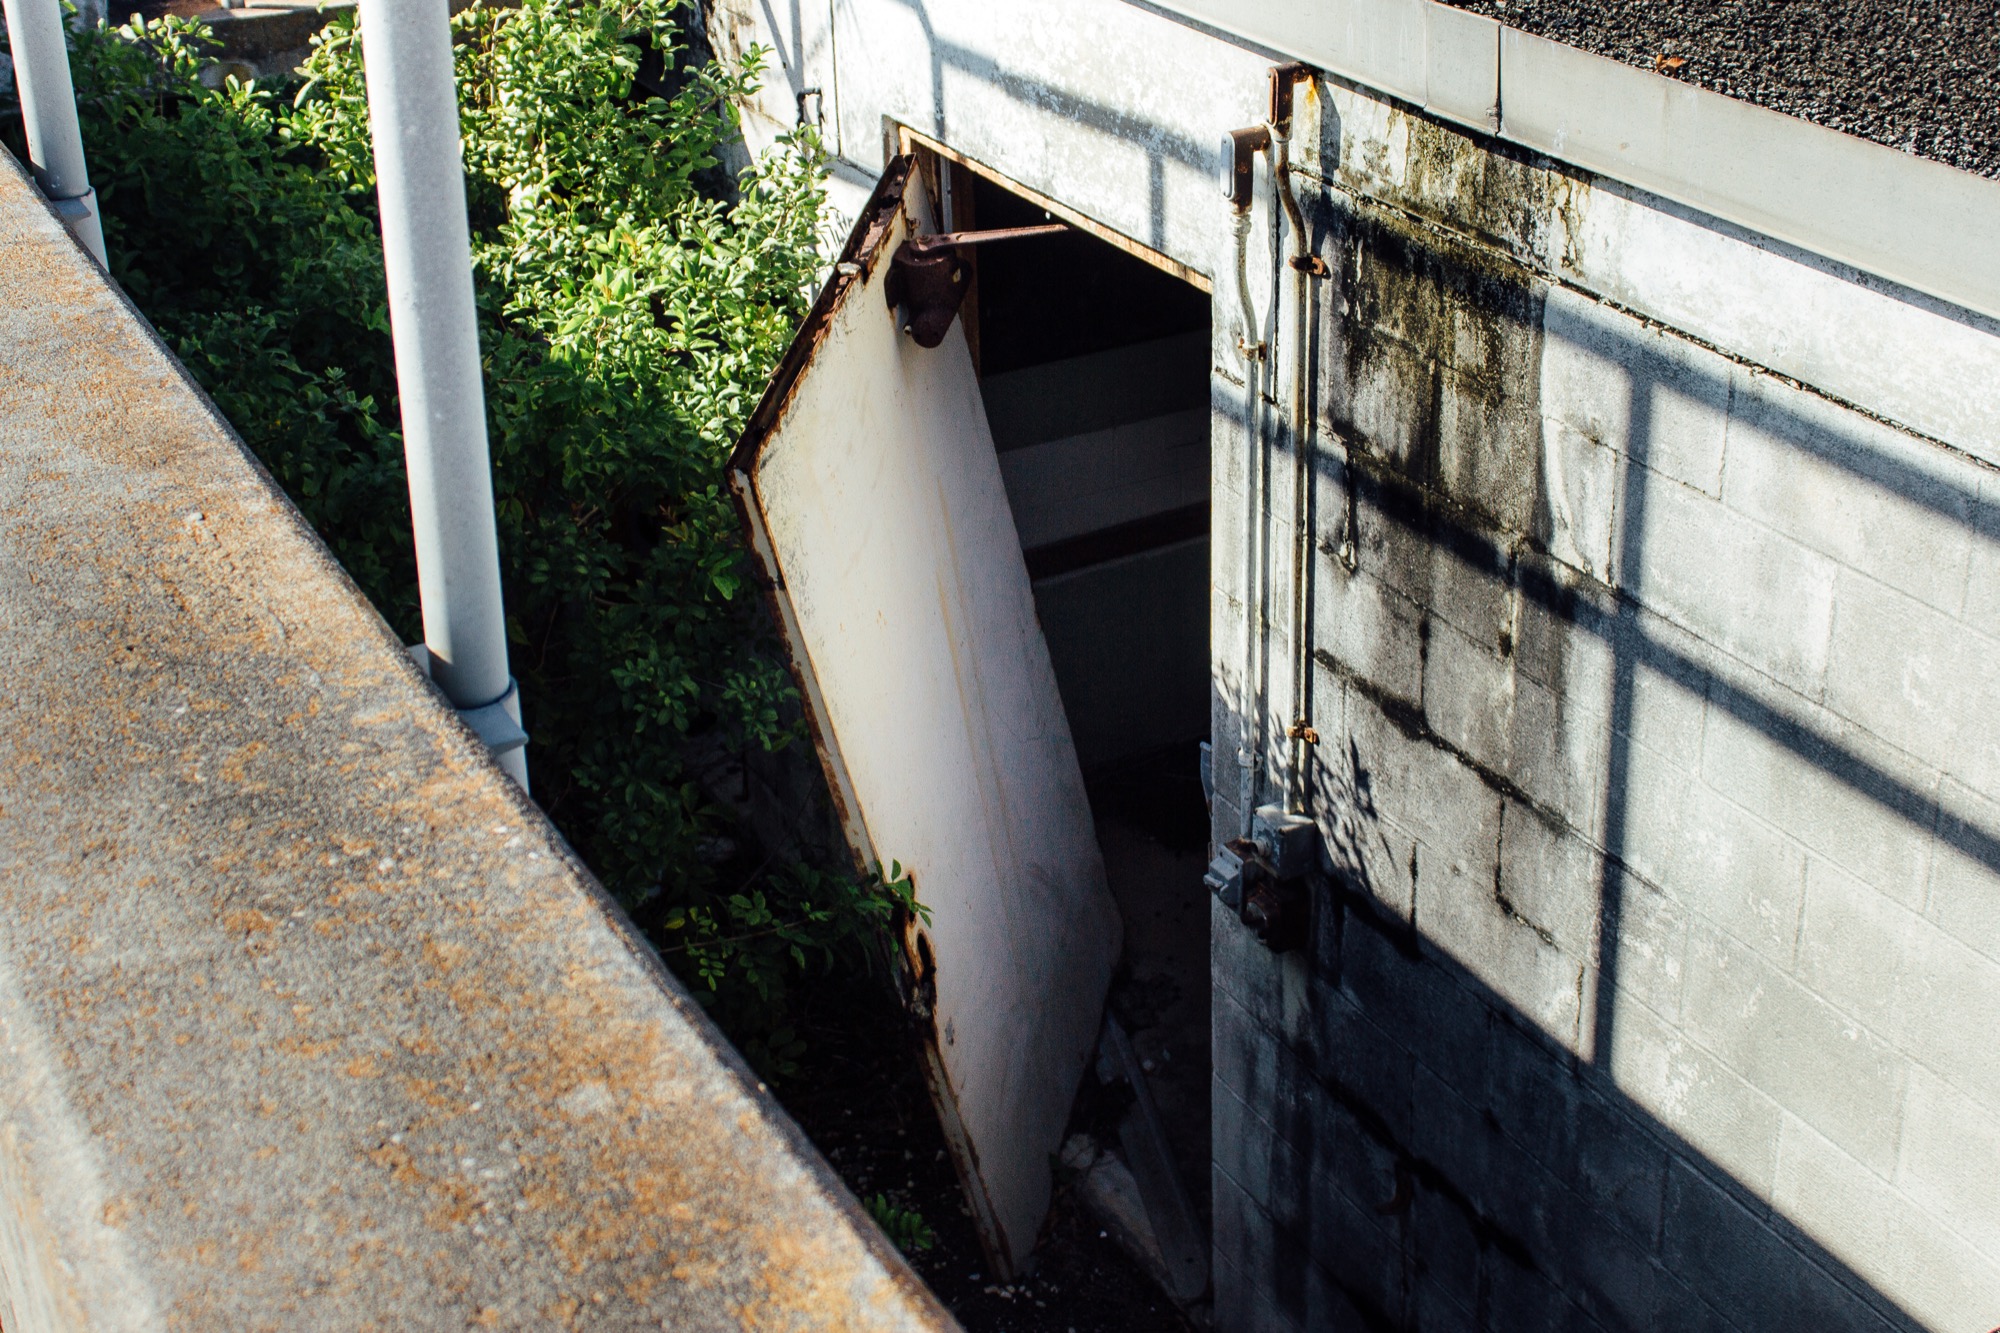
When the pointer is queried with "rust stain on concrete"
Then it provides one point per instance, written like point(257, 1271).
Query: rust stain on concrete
point(310, 1019)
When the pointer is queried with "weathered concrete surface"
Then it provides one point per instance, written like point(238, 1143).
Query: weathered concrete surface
point(1115, 109)
point(307, 1018)
point(1065, 93)
point(1653, 979)
point(1653, 633)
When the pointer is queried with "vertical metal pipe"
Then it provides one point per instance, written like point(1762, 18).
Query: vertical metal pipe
point(1238, 179)
point(48, 114)
point(427, 253)
point(1299, 729)
point(1250, 746)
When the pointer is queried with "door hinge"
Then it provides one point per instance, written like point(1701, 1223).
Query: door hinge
point(929, 276)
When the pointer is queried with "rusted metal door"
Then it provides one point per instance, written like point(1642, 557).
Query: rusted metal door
point(873, 497)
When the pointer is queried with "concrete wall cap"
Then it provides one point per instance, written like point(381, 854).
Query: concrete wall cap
point(308, 1018)
point(1917, 223)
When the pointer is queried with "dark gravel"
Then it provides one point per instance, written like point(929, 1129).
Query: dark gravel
point(1919, 75)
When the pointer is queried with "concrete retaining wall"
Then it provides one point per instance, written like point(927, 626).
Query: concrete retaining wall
point(308, 1018)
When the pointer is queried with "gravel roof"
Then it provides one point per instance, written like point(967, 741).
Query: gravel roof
point(1919, 75)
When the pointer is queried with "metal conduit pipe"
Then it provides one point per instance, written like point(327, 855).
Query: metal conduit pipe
point(427, 254)
point(1249, 748)
point(1299, 730)
point(1238, 165)
point(48, 114)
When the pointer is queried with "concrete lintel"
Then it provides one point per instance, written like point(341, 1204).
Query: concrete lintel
point(308, 1019)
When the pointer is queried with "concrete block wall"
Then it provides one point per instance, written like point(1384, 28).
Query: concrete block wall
point(1655, 979)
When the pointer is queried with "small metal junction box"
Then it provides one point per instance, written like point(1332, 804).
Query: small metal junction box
point(1264, 878)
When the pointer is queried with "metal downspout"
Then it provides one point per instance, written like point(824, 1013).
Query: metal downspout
point(427, 254)
point(48, 114)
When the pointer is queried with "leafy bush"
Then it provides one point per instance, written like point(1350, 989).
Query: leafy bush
point(629, 318)
point(905, 1227)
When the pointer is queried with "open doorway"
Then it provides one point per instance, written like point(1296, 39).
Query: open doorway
point(1093, 366)
point(976, 491)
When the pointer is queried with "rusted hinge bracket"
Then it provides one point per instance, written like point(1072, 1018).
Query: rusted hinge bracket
point(952, 240)
point(929, 275)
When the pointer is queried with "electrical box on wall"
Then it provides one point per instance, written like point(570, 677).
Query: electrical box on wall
point(1225, 878)
point(1288, 842)
point(1264, 878)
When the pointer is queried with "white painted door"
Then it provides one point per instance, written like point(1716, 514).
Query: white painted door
point(873, 497)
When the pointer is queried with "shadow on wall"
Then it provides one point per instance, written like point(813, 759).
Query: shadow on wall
point(1428, 1159)
point(1578, 785)
point(1159, 142)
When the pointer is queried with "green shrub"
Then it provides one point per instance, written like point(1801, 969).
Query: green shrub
point(629, 319)
point(905, 1227)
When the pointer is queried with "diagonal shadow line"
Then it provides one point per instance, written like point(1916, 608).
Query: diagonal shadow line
point(1061, 102)
point(792, 65)
point(1846, 452)
point(1432, 259)
point(1614, 617)
point(1076, 107)
point(1902, 479)
point(1618, 624)
point(1850, 454)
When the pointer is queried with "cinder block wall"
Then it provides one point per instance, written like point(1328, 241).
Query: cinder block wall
point(1655, 980)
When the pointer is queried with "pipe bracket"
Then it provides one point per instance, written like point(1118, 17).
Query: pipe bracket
point(79, 216)
point(498, 723)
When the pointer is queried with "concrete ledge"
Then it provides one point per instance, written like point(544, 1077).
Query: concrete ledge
point(307, 1018)
point(1917, 223)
